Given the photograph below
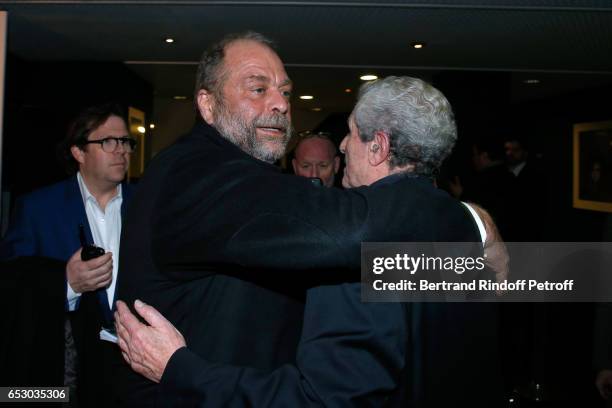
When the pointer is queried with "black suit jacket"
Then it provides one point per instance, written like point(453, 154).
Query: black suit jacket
point(224, 246)
point(32, 301)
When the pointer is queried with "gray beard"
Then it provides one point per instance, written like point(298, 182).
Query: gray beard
point(244, 135)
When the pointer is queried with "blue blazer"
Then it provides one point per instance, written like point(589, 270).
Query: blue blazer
point(46, 222)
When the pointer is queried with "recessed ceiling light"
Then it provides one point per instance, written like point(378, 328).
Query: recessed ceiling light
point(348, 90)
point(180, 97)
point(418, 45)
point(169, 40)
point(141, 129)
point(368, 77)
point(532, 81)
point(152, 126)
point(306, 97)
point(316, 109)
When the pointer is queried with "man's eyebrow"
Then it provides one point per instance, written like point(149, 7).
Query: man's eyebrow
point(262, 78)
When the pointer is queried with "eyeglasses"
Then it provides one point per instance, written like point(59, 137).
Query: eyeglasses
point(110, 144)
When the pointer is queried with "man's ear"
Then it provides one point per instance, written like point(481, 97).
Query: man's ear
point(206, 104)
point(77, 153)
point(378, 148)
point(336, 164)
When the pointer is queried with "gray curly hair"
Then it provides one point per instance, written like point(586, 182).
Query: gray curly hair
point(416, 116)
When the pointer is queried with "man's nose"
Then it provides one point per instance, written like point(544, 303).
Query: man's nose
point(121, 148)
point(343, 145)
point(314, 172)
point(279, 102)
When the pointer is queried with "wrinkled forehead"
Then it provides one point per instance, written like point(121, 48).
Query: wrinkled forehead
point(249, 57)
point(316, 148)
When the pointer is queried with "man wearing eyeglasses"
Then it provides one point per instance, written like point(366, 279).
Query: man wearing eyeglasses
point(48, 223)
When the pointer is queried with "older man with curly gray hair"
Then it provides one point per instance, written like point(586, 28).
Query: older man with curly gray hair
point(399, 125)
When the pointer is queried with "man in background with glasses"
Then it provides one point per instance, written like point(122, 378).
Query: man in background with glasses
point(82, 211)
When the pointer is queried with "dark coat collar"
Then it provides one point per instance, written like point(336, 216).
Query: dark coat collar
point(394, 178)
point(202, 129)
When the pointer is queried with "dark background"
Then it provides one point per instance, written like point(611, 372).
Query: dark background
point(63, 57)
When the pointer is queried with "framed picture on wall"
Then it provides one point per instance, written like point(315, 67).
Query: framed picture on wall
point(593, 166)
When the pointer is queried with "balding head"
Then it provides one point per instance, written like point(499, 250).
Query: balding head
point(316, 156)
point(211, 73)
point(247, 99)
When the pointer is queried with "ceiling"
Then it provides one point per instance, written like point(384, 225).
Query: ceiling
point(326, 45)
